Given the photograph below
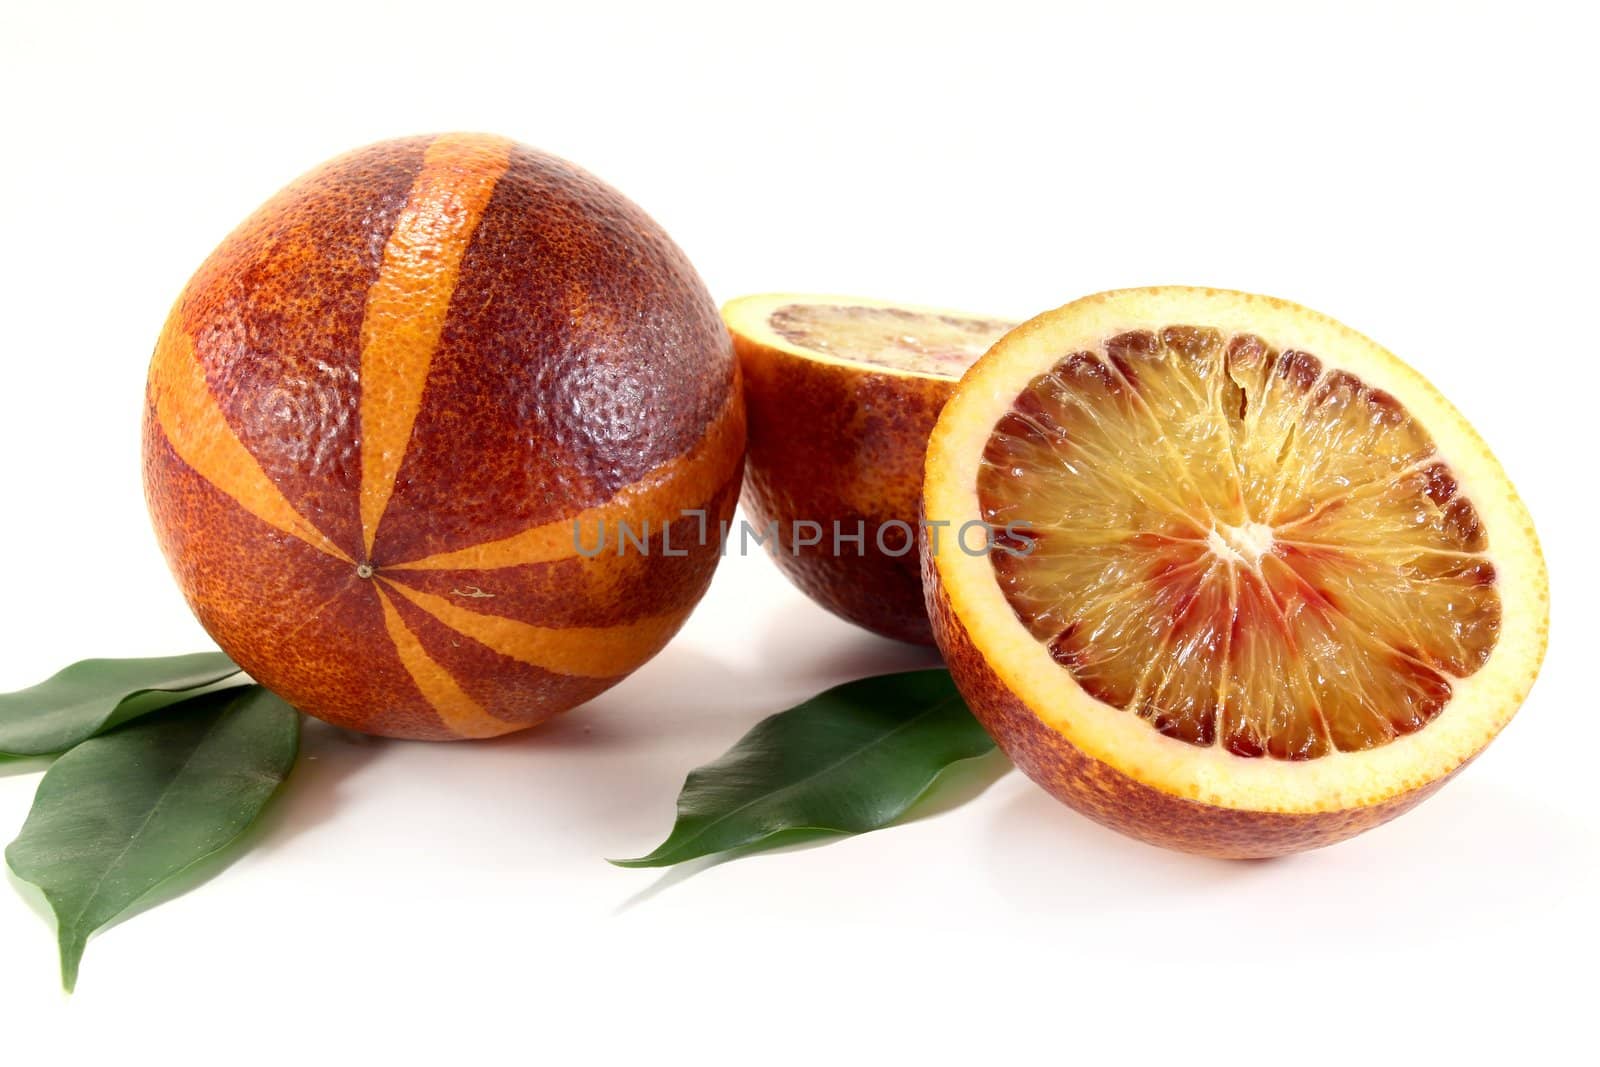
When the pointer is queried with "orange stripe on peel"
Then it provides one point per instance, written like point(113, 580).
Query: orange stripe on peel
point(656, 499)
point(199, 433)
point(582, 651)
point(458, 711)
point(406, 306)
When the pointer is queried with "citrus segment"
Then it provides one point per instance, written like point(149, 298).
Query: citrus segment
point(654, 500)
point(577, 651)
point(184, 409)
point(406, 306)
point(463, 715)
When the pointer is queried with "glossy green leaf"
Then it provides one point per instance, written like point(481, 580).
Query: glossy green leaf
point(848, 760)
point(121, 814)
point(89, 697)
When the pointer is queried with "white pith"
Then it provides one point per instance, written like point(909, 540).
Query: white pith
point(1240, 545)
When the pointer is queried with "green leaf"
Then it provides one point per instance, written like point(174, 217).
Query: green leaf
point(89, 697)
point(121, 814)
point(848, 760)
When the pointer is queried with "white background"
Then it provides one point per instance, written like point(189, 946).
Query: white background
point(1424, 173)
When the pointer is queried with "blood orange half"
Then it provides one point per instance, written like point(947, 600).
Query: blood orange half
point(842, 393)
point(1265, 587)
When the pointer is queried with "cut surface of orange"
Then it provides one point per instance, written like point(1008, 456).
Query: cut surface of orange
point(915, 340)
point(1266, 587)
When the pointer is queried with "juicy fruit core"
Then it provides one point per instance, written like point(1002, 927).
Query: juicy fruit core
point(1239, 545)
point(922, 342)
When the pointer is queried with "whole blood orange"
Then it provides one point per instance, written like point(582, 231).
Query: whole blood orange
point(842, 393)
point(396, 420)
point(1274, 590)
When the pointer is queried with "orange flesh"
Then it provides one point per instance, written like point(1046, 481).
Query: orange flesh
point(1242, 547)
point(898, 338)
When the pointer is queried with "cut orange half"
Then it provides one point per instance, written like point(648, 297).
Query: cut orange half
point(841, 394)
point(1236, 580)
